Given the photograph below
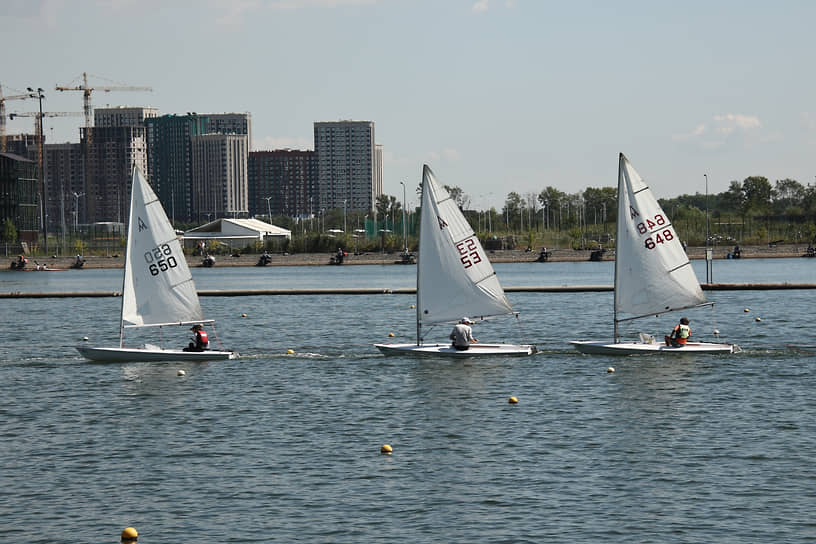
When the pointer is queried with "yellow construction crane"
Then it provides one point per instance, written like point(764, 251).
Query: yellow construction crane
point(3, 114)
point(86, 93)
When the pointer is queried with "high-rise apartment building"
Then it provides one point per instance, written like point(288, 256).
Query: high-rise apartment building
point(283, 182)
point(170, 171)
point(348, 168)
point(219, 176)
point(111, 154)
point(123, 116)
point(19, 195)
point(65, 178)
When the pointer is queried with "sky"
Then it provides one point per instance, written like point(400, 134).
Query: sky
point(494, 95)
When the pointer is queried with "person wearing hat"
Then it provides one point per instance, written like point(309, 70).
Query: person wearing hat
point(200, 341)
point(462, 334)
point(680, 334)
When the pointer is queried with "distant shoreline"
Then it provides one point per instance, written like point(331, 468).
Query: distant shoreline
point(498, 256)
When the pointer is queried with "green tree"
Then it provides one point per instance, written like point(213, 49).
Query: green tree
point(757, 192)
point(787, 194)
point(9, 232)
point(459, 196)
point(513, 204)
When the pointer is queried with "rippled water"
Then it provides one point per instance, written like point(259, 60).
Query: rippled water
point(279, 448)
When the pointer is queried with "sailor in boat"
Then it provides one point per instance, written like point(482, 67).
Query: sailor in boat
point(462, 334)
point(200, 342)
point(680, 334)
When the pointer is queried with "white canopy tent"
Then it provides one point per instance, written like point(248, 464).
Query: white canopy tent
point(235, 232)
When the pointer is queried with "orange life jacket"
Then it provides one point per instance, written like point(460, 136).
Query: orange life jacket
point(201, 338)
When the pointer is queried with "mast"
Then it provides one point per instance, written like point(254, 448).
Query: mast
point(423, 207)
point(618, 231)
point(128, 264)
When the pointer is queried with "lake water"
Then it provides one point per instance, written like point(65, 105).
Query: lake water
point(273, 447)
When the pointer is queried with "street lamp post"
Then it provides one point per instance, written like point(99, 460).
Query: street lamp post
point(344, 215)
point(76, 209)
point(404, 228)
point(709, 267)
point(268, 208)
point(39, 94)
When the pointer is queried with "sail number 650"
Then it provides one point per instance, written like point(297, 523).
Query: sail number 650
point(469, 253)
point(155, 258)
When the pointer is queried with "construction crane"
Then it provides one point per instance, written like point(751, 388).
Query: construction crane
point(3, 114)
point(36, 116)
point(86, 94)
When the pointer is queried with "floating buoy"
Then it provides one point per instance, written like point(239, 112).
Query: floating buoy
point(181, 373)
point(512, 400)
point(130, 534)
point(386, 449)
point(716, 332)
point(84, 338)
point(757, 319)
point(412, 306)
point(391, 335)
point(243, 315)
point(290, 351)
point(746, 310)
point(610, 370)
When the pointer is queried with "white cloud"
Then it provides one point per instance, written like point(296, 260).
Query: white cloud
point(272, 143)
point(444, 155)
point(720, 130)
point(480, 6)
point(730, 122)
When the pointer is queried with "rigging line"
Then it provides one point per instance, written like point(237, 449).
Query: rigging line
point(522, 332)
point(667, 311)
point(641, 190)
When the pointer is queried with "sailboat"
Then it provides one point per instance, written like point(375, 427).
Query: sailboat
point(158, 288)
point(653, 274)
point(454, 278)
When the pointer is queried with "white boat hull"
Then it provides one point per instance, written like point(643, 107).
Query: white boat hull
point(446, 350)
point(129, 355)
point(640, 348)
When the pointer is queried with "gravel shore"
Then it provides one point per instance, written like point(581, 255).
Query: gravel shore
point(498, 256)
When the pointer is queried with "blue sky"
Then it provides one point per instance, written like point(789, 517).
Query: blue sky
point(495, 95)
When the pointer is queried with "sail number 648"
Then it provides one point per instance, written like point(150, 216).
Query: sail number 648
point(155, 258)
point(659, 237)
point(469, 253)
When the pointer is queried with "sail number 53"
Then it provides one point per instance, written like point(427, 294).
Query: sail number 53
point(160, 259)
point(469, 253)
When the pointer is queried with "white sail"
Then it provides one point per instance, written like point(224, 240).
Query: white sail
point(158, 286)
point(653, 274)
point(454, 276)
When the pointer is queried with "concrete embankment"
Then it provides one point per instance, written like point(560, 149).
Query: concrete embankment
point(498, 256)
point(411, 290)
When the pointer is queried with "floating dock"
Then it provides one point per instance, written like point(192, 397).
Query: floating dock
point(408, 290)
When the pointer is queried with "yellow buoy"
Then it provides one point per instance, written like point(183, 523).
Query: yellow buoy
point(412, 306)
point(290, 351)
point(181, 373)
point(386, 449)
point(130, 534)
point(746, 310)
point(512, 400)
point(757, 319)
point(610, 370)
point(391, 334)
point(243, 315)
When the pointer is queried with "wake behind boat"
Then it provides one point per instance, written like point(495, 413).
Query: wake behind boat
point(454, 278)
point(653, 274)
point(158, 288)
